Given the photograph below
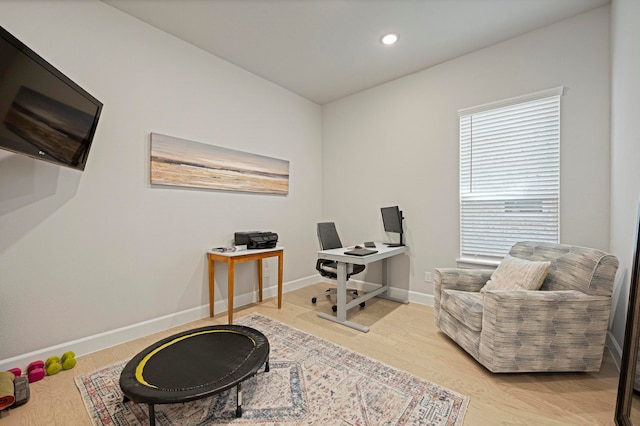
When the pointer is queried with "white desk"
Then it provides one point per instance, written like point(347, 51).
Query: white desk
point(338, 256)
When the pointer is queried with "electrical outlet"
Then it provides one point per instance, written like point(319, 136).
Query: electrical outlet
point(428, 277)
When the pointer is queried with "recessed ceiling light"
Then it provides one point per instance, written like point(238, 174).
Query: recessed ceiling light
point(389, 39)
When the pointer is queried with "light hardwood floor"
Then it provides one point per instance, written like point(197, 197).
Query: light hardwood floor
point(403, 336)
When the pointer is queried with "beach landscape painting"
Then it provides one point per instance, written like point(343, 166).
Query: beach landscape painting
point(180, 162)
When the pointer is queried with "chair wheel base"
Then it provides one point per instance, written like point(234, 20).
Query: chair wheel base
point(313, 300)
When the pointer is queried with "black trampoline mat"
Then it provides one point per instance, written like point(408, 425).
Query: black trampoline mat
point(195, 360)
point(194, 364)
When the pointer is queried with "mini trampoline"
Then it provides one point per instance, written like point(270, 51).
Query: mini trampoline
point(195, 364)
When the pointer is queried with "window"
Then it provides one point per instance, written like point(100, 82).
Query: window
point(509, 174)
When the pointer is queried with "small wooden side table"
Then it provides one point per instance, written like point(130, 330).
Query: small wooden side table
point(233, 257)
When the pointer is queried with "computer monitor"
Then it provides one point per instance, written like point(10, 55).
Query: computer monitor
point(392, 221)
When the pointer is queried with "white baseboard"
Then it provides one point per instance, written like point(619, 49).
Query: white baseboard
point(89, 344)
point(110, 338)
point(614, 349)
point(412, 296)
point(96, 342)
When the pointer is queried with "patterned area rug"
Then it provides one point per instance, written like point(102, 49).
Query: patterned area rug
point(311, 382)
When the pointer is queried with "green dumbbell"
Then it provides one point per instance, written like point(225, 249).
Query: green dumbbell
point(55, 364)
point(68, 360)
point(52, 365)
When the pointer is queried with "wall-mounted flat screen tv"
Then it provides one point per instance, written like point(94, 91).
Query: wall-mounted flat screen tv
point(43, 114)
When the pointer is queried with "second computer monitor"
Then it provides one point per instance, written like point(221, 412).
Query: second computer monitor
point(392, 221)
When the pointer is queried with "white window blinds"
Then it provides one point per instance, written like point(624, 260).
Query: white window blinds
point(509, 174)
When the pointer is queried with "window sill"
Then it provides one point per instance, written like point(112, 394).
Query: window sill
point(472, 262)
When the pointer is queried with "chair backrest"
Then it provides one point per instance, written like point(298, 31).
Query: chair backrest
point(588, 270)
point(328, 236)
point(329, 239)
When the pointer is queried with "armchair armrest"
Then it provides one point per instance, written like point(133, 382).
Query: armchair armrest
point(460, 279)
point(457, 279)
point(538, 330)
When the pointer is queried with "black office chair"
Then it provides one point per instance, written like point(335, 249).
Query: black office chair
point(329, 239)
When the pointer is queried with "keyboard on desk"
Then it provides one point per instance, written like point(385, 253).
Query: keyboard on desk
point(360, 252)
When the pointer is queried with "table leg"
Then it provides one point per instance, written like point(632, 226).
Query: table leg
point(280, 269)
point(152, 415)
point(260, 280)
point(239, 406)
point(230, 278)
point(211, 286)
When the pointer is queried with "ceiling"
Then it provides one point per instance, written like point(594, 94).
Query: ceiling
point(327, 49)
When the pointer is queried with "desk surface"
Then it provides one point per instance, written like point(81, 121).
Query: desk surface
point(244, 252)
point(384, 251)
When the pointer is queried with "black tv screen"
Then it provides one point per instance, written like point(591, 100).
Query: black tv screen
point(43, 114)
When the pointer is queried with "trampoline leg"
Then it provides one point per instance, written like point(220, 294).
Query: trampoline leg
point(239, 408)
point(266, 367)
point(152, 415)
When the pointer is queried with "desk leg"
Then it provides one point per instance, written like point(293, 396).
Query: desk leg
point(230, 278)
point(343, 306)
point(260, 280)
point(385, 285)
point(342, 292)
point(211, 286)
point(385, 276)
point(280, 269)
point(341, 314)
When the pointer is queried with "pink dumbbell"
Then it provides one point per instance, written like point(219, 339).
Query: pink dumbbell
point(35, 371)
point(16, 372)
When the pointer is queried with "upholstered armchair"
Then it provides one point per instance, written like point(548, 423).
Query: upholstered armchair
point(560, 327)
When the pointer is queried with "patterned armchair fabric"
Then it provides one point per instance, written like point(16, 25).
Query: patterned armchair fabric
point(561, 327)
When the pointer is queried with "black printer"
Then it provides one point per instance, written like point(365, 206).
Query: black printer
point(256, 239)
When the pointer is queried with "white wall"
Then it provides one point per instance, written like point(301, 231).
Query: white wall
point(625, 146)
point(82, 253)
point(403, 137)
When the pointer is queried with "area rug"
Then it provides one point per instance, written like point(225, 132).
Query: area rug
point(311, 382)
